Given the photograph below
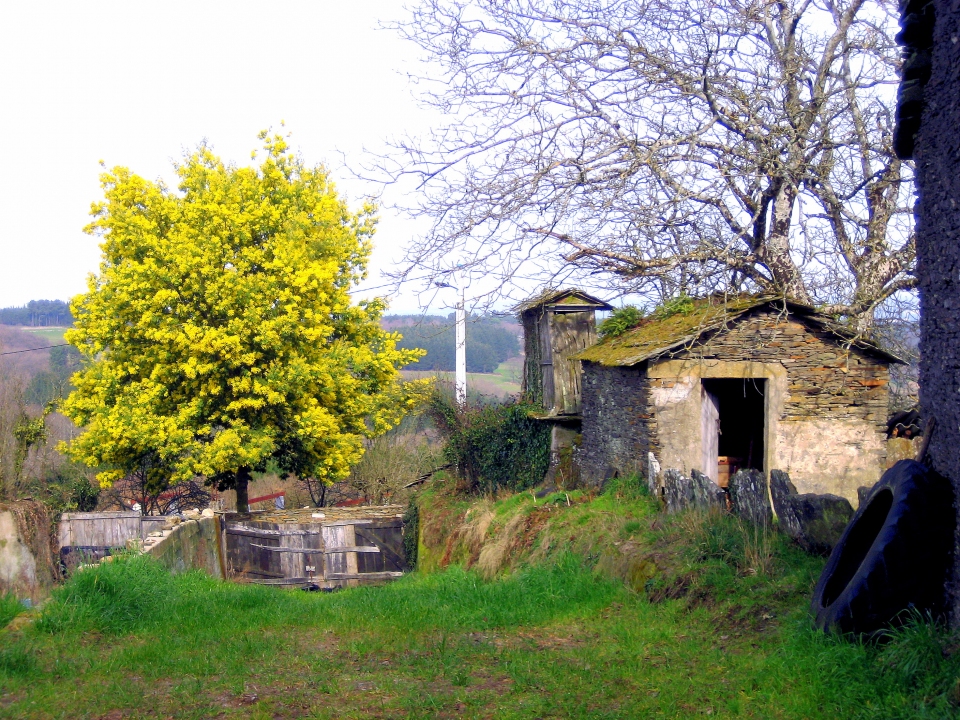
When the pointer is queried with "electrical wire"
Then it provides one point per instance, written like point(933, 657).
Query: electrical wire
point(46, 347)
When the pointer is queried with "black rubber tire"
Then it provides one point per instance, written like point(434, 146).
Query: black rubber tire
point(894, 554)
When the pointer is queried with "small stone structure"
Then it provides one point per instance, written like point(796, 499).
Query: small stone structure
point(189, 544)
point(741, 382)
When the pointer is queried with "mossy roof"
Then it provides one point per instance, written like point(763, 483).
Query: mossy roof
point(654, 336)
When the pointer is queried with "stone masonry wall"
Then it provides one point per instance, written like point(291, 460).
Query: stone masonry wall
point(937, 158)
point(191, 545)
point(825, 380)
point(617, 421)
point(829, 411)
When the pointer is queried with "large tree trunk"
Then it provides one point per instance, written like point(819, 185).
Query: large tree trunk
point(938, 251)
point(242, 483)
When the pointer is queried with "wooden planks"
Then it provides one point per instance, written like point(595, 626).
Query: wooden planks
point(293, 549)
point(99, 529)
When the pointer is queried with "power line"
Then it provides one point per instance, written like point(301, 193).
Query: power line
point(47, 347)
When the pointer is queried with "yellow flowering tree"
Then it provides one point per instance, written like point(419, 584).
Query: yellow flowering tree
point(220, 333)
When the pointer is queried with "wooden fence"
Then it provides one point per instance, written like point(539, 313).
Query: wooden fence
point(332, 548)
point(90, 536)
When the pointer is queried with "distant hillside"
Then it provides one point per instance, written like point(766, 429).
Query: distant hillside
point(490, 341)
point(38, 313)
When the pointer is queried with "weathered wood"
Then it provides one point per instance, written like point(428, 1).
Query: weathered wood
point(302, 551)
point(99, 529)
point(363, 576)
point(350, 538)
point(377, 525)
point(354, 549)
point(390, 542)
point(338, 523)
point(333, 536)
point(261, 532)
point(292, 548)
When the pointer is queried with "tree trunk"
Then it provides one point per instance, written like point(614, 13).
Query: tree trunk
point(938, 253)
point(775, 252)
point(241, 484)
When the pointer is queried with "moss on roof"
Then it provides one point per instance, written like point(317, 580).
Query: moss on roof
point(655, 336)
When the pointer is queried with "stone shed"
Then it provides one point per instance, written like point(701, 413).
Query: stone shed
point(738, 382)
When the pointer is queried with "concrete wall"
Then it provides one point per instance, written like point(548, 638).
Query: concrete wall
point(675, 387)
point(938, 252)
point(191, 545)
point(18, 567)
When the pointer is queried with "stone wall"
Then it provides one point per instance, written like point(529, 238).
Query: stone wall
point(617, 421)
point(826, 405)
point(190, 545)
point(825, 379)
point(676, 400)
point(26, 562)
point(937, 158)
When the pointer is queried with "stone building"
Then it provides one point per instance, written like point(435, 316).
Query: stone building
point(733, 383)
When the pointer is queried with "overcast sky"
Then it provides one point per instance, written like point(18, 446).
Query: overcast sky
point(137, 84)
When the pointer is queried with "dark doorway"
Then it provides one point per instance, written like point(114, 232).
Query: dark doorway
point(740, 406)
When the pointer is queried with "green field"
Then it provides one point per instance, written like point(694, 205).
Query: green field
point(600, 607)
point(54, 335)
point(502, 383)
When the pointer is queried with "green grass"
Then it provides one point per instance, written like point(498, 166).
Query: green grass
point(10, 607)
point(502, 382)
point(610, 611)
point(52, 334)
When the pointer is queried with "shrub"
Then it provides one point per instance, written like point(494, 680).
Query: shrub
point(494, 446)
point(620, 321)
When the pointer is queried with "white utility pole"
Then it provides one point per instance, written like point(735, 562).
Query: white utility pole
point(461, 374)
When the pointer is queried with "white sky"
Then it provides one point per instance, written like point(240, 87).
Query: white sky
point(137, 84)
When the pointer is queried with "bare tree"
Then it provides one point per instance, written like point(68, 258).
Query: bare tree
point(664, 147)
point(149, 488)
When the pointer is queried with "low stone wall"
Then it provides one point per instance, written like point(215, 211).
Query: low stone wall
point(26, 562)
point(813, 521)
point(189, 545)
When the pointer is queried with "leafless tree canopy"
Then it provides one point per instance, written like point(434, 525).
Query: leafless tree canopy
point(664, 147)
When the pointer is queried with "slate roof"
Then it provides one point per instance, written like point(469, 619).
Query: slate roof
point(563, 296)
point(654, 337)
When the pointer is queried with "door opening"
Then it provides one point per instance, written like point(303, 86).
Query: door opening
point(735, 408)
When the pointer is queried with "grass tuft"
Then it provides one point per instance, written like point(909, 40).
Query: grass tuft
point(10, 607)
point(129, 593)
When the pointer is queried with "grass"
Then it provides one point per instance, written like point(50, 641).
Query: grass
point(502, 382)
point(10, 607)
point(53, 334)
point(601, 608)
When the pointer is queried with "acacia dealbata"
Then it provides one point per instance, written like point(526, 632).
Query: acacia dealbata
point(220, 333)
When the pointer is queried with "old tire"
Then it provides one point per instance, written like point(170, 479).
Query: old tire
point(894, 554)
